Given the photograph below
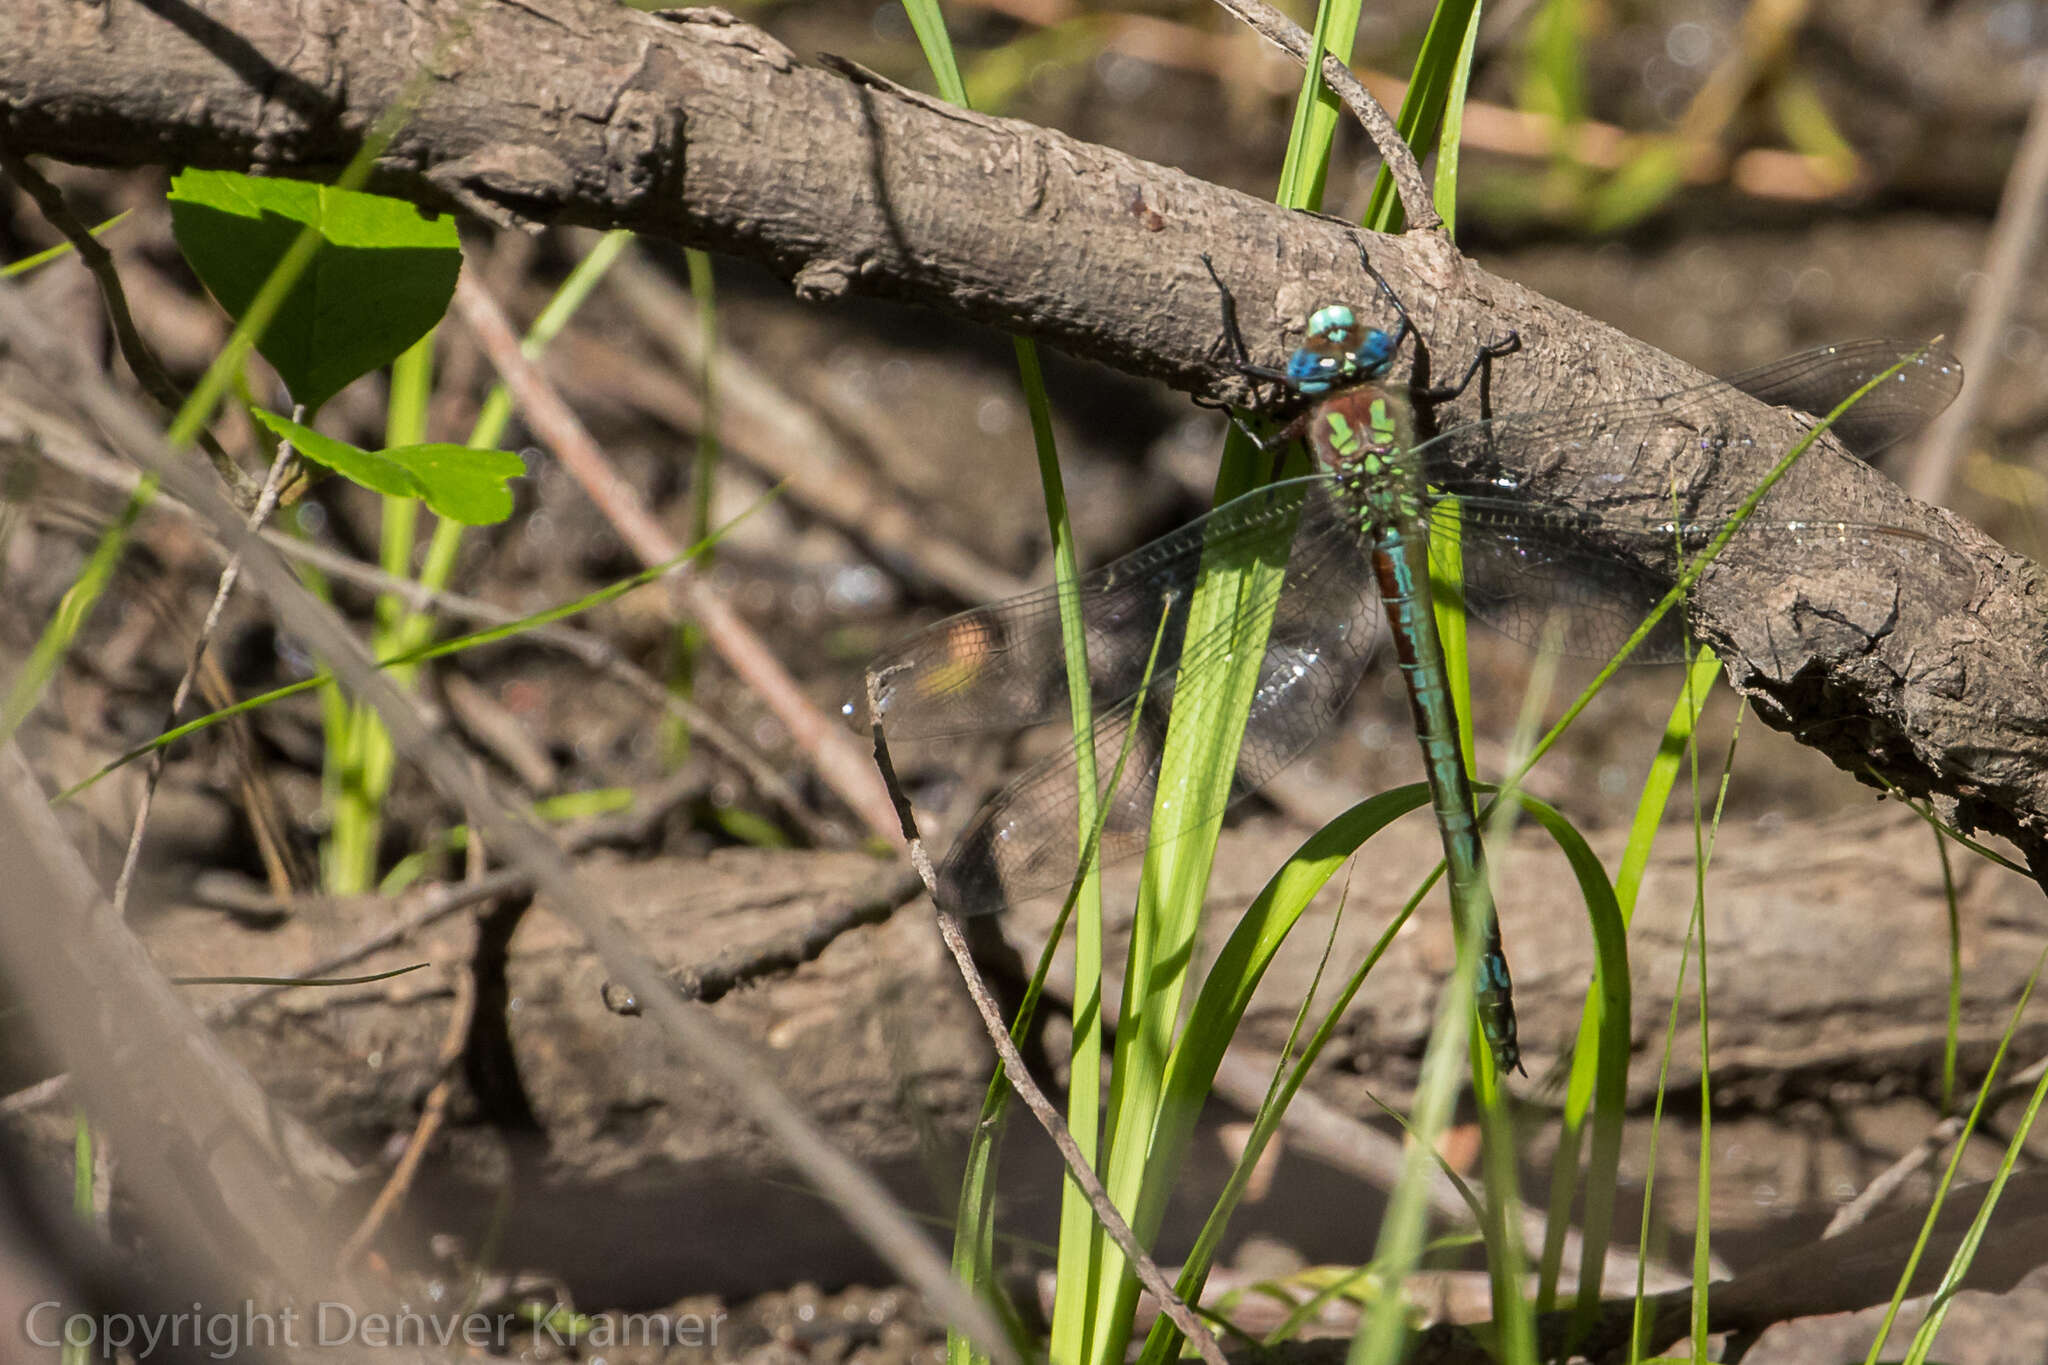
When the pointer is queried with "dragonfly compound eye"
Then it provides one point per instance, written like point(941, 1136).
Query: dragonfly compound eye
point(1375, 353)
point(1311, 369)
point(1333, 323)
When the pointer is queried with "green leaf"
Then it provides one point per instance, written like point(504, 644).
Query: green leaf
point(460, 483)
point(382, 276)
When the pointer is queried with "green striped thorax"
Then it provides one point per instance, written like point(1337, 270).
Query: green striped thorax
point(1363, 428)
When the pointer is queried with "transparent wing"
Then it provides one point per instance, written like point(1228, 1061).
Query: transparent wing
point(1816, 381)
point(1552, 577)
point(1706, 418)
point(1003, 666)
point(1580, 583)
point(1325, 621)
point(1535, 574)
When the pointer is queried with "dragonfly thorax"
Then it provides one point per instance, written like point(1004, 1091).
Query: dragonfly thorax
point(1365, 436)
point(1339, 350)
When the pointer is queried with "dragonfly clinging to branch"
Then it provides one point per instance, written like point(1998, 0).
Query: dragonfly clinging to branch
point(1354, 541)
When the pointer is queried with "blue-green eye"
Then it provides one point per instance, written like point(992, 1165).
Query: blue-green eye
point(1331, 322)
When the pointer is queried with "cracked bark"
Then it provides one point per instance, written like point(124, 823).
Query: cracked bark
point(694, 127)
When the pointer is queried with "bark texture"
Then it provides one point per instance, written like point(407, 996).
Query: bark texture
point(1817, 992)
point(692, 126)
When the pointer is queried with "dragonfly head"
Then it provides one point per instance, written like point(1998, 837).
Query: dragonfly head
point(1339, 350)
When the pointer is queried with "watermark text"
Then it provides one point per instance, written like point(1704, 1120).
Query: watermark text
point(222, 1335)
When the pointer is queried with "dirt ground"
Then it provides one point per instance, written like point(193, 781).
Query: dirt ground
point(577, 1163)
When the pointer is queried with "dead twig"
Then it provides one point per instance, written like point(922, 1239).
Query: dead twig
point(1760, 172)
point(435, 903)
point(2015, 235)
point(76, 453)
point(162, 1086)
point(595, 652)
point(1889, 1180)
point(869, 904)
point(691, 1032)
point(758, 421)
point(141, 360)
point(954, 935)
point(266, 503)
point(1417, 203)
point(432, 1114)
point(832, 749)
point(1106, 1212)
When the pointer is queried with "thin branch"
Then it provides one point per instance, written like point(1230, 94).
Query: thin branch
point(831, 748)
point(953, 933)
point(761, 423)
point(432, 1114)
point(142, 361)
point(595, 652)
point(902, 196)
point(835, 917)
point(163, 1086)
point(1026, 1087)
point(266, 503)
point(1417, 203)
point(1931, 1144)
point(2015, 237)
point(85, 460)
point(691, 1032)
point(435, 903)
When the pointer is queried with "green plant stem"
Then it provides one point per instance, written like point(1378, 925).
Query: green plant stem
point(366, 762)
point(359, 747)
point(1984, 1093)
point(688, 641)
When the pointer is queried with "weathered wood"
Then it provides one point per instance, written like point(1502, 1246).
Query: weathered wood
point(1831, 976)
point(693, 126)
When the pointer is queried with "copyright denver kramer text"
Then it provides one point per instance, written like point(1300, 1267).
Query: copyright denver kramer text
point(223, 1335)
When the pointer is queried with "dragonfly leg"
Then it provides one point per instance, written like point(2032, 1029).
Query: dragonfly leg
point(1270, 442)
point(1240, 356)
point(1407, 325)
point(1482, 363)
point(1231, 334)
point(1481, 368)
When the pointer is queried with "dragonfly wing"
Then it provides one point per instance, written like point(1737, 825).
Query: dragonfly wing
point(1705, 418)
point(1027, 840)
point(1003, 666)
point(1847, 581)
point(1556, 579)
point(1581, 583)
point(1817, 381)
point(1325, 620)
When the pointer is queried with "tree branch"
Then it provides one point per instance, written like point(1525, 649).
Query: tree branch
point(692, 126)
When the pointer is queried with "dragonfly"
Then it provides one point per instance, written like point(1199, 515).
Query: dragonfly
point(1354, 539)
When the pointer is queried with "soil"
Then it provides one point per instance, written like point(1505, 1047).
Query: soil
point(631, 1188)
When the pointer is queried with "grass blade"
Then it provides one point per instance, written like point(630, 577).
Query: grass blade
point(1439, 71)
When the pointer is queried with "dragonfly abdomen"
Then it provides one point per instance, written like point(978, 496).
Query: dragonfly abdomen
point(1400, 558)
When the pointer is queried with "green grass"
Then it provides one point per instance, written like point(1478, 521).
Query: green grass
point(57, 637)
point(1176, 1025)
point(1083, 1250)
point(1163, 1068)
point(1165, 1063)
point(419, 654)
